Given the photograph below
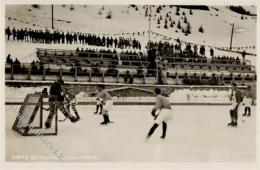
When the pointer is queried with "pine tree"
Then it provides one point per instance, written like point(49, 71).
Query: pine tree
point(191, 12)
point(185, 19)
point(182, 30)
point(183, 13)
point(146, 12)
point(158, 10)
point(167, 15)
point(165, 26)
point(242, 17)
point(109, 15)
point(165, 21)
point(179, 24)
point(160, 17)
point(136, 8)
point(188, 28)
point(201, 29)
point(158, 21)
point(171, 25)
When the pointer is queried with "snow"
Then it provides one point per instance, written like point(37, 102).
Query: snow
point(196, 134)
point(127, 20)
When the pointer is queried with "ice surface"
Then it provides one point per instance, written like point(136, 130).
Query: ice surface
point(196, 134)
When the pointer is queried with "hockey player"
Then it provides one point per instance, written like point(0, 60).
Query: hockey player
point(70, 98)
point(235, 98)
point(165, 114)
point(56, 99)
point(248, 99)
point(99, 105)
point(107, 101)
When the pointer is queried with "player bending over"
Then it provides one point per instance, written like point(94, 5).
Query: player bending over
point(235, 98)
point(248, 99)
point(165, 113)
point(107, 102)
point(70, 97)
point(57, 99)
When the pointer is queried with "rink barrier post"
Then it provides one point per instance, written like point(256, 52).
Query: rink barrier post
point(44, 74)
point(76, 74)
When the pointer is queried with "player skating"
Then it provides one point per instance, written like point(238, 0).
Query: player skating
point(235, 98)
point(56, 99)
point(107, 102)
point(248, 99)
point(165, 114)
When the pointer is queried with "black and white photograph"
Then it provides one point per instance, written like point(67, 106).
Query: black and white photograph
point(131, 82)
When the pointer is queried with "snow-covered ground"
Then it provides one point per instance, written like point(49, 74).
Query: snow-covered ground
point(128, 20)
point(196, 134)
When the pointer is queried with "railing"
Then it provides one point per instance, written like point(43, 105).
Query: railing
point(73, 73)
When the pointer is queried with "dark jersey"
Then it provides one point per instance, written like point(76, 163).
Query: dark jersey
point(237, 96)
point(56, 91)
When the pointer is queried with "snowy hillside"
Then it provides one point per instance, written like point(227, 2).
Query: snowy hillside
point(126, 20)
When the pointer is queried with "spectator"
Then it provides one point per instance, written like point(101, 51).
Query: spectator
point(211, 52)
point(8, 33)
point(244, 54)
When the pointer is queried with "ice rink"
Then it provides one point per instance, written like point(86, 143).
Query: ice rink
point(196, 134)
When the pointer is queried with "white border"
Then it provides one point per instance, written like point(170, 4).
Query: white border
point(149, 165)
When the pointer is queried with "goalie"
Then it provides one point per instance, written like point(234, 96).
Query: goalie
point(56, 99)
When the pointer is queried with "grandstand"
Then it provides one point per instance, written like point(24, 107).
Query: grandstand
point(127, 57)
point(74, 65)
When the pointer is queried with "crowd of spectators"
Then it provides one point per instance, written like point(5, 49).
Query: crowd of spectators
point(61, 37)
point(125, 57)
point(175, 53)
point(18, 67)
point(225, 60)
point(197, 81)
